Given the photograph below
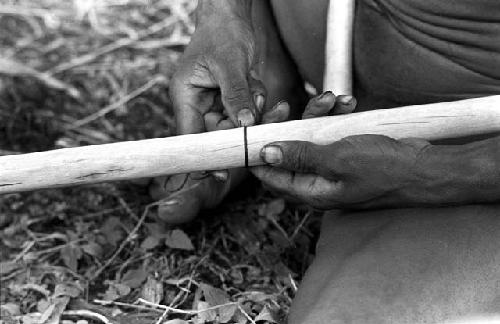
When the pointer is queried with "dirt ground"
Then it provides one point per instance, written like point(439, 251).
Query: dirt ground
point(83, 72)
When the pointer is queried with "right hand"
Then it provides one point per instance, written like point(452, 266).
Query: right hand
point(214, 87)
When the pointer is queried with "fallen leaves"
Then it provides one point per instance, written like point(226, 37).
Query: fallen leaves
point(152, 290)
point(177, 239)
point(217, 297)
point(70, 254)
point(115, 290)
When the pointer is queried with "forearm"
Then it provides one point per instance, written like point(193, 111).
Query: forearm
point(458, 174)
point(208, 9)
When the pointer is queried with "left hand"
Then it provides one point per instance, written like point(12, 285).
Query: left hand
point(363, 171)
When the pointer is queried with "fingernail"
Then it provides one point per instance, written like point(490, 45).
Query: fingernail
point(324, 95)
point(170, 202)
point(259, 102)
point(246, 117)
point(346, 100)
point(281, 104)
point(272, 154)
point(221, 176)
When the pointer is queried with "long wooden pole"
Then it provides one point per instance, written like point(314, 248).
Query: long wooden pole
point(226, 149)
point(339, 47)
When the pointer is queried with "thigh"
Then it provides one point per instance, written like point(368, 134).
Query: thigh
point(274, 65)
point(403, 266)
point(302, 25)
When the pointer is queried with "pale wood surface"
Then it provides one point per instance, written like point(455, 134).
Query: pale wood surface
point(338, 47)
point(225, 149)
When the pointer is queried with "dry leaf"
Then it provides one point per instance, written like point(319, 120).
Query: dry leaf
point(207, 316)
point(177, 239)
point(42, 305)
point(66, 289)
point(7, 267)
point(152, 290)
point(70, 255)
point(134, 277)
point(112, 231)
point(10, 309)
point(115, 291)
point(176, 321)
point(273, 208)
point(214, 297)
point(150, 243)
point(52, 314)
point(93, 249)
point(266, 315)
point(32, 318)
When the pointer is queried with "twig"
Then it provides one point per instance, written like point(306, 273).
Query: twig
point(127, 208)
point(27, 11)
point(121, 304)
point(88, 314)
point(24, 251)
point(117, 104)
point(123, 42)
point(246, 314)
point(129, 238)
point(14, 68)
point(163, 316)
point(185, 311)
point(56, 248)
point(300, 226)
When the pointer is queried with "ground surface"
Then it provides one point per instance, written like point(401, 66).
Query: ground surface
point(85, 72)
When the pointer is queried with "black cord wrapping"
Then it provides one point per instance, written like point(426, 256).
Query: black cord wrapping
point(245, 140)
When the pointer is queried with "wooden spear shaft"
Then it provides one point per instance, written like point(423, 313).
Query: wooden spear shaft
point(226, 149)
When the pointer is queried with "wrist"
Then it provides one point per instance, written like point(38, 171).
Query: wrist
point(455, 174)
point(208, 10)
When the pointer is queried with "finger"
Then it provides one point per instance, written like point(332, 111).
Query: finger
point(235, 95)
point(225, 124)
point(182, 198)
point(279, 113)
point(319, 106)
point(184, 208)
point(344, 105)
point(212, 120)
point(258, 92)
point(186, 101)
point(221, 175)
point(419, 143)
point(217, 121)
point(299, 156)
point(307, 187)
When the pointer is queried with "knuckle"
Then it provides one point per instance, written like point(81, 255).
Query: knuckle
point(237, 95)
point(301, 153)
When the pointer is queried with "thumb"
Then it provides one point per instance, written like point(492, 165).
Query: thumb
point(295, 156)
point(236, 95)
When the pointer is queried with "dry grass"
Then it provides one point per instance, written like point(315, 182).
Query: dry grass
point(91, 72)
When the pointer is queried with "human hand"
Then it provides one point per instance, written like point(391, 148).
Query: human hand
point(215, 86)
point(356, 172)
point(184, 195)
point(363, 171)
